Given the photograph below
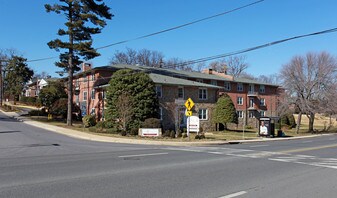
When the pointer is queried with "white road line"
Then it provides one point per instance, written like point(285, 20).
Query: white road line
point(306, 141)
point(258, 146)
point(214, 152)
point(142, 155)
point(234, 194)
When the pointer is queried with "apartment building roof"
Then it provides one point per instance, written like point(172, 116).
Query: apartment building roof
point(168, 80)
point(179, 74)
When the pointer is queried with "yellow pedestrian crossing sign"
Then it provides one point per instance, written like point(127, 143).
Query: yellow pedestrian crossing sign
point(188, 113)
point(189, 104)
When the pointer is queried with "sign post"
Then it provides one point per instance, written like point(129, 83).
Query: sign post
point(189, 104)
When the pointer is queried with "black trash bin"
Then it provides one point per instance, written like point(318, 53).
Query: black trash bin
point(279, 133)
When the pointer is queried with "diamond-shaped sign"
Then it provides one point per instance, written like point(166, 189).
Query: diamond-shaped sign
point(188, 113)
point(189, 104)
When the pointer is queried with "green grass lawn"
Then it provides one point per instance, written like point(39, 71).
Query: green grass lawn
point(227, 135)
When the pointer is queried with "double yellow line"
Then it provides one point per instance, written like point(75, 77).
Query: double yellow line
point(309, 149)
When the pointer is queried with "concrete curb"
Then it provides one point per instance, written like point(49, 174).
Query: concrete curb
point(99, 138)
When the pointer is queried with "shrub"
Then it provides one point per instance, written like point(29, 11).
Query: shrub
point(100, 124)
point(184, 135)
point(31, 100)
point(123, 133)
point(23, 99)
point(166, 133)
point(133, 131)
point(199, 137)
point(151, 123)
point(288, 120)
point(172, 134)
point(179, 134)
point(89, 120)
point(291, 119)
point(93, 129)
point(37, 113)
point(113, 130)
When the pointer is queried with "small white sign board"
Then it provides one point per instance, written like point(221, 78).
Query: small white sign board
point(149, 132)
point(193, 124)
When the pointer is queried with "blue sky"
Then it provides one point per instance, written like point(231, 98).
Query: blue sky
point(27, 28)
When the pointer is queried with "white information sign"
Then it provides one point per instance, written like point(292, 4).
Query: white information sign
point(149, 132)
point(193, 124)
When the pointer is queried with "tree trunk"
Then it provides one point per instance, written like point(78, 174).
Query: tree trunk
point(70, 71)
point(311, 121)
point(299, 119)
point(70, 95)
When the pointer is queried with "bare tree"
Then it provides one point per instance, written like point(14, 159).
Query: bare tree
point(247, 76)
point(124, 109)
point(233, 65)
point(310, 82)
point(142, 57)
point(129, 57)
point(271, 79)
point(42, 75)
point(236, 65)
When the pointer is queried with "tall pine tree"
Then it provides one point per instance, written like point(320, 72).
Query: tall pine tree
point(83, 19)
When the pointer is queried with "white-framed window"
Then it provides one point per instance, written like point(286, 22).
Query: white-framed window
point(262, 89)
point(85, 96)
point(84, 79)
point(227, 86)
point(93, 94)
point(160, 113)
point(214, 82)
point(181, 92)
point(240, 87)
point(202, 94)
point(92, 77)
point(240, 114)
point(262, 113)
point(262, 102)
point(239, 100)
point(251, 114)
point(251, 102)
point(92, 112)
point(159, 91)
point(203, 114)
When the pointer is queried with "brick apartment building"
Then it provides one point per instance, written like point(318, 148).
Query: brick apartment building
point(252, 99)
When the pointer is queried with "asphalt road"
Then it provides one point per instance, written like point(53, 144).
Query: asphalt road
point(38, 163)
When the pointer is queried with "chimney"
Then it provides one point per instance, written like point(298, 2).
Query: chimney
point(86, 66)
point(207, 71)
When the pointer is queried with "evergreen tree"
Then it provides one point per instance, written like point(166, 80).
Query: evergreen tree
point(84, 18)
point(17, 74)
point(225, 111)
point(51, 93)
point(142, 96)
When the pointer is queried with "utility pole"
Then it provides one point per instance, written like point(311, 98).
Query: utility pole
point(1, 84)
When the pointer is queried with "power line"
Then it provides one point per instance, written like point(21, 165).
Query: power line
point(183, 25)
point(240, 51)
point(165, 30)
point(204, 59)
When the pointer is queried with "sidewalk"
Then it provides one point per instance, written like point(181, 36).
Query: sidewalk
point(100, 138)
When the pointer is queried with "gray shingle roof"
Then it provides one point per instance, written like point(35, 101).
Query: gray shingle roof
point(178, 74)
point(168, 80)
